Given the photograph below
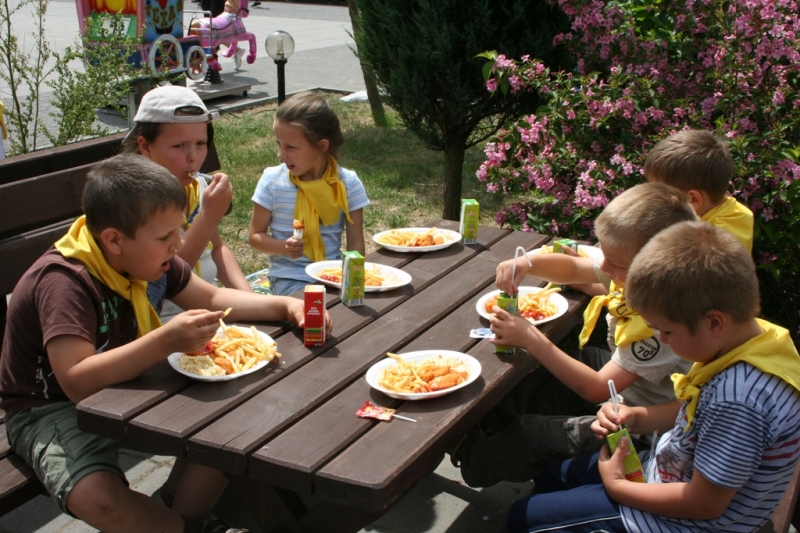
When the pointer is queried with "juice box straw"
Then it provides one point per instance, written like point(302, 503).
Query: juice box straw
point(612, 389)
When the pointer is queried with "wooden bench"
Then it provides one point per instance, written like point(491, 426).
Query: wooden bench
point(40, 197)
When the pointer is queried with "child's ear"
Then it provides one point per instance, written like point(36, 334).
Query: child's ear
point(110, 239)
point(144, 146)
point(696, 200)
point(323, 145)
point(717, 322)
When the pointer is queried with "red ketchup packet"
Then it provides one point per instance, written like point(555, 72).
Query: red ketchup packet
point(370, 410)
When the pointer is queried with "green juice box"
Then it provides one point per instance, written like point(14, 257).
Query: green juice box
point(633, 466)
point(352, 294)
point(507, 303)
point(470, 211)
point(564, 243)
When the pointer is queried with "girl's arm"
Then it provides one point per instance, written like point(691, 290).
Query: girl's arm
point(355, 232)
point(228, 271)
point(698, 499)
point(260, 240)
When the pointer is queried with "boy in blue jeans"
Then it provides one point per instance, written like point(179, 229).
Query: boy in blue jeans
point(84, 317)
point(732, 437)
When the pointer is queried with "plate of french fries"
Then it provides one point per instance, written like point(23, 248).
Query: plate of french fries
point(416, 239)
point(424, 374)
point(377, 277)
point(235, 351)
point(590, 252)
point(537, 304)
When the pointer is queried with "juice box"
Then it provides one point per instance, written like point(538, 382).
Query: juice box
point(633, 466)
point(314, 328)
point(507, 303)
point(564, 243)
point(352, 279)
point(470, 211)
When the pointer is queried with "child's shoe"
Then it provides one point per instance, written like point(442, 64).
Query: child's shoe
point(237, 58)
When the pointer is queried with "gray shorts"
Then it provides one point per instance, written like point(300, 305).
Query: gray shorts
point(48, 439)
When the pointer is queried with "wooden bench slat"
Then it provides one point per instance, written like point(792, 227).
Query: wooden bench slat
point(20, 252)
point(18, 483)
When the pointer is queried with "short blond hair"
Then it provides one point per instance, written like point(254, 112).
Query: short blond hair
point(692, 159)
point(692, 268)
point(638, 214)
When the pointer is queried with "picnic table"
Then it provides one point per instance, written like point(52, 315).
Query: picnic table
point(291, 432)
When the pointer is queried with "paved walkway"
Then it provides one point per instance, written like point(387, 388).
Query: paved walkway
point(323, 58)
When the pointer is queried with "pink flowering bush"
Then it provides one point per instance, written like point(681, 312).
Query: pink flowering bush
point(647, 69)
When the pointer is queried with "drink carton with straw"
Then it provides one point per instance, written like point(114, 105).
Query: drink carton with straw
point(314, 326)
point(633, 466)
point(470, 216)
point(560, 244)
point(508, 302)
point(353, 279)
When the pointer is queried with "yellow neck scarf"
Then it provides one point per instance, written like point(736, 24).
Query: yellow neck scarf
point(772, 352)
point(734, 218)
point(319, 200)
point(630, 326)
point(193, 195)
point(79, 244)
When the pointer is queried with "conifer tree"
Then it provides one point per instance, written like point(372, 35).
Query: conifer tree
point(423, 54)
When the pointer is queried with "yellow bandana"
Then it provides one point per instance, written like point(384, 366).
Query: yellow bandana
point(193, 194)
point(734, 218)
point(319, 200)
point(772, 352)
point(630, 326)
point(79, 244)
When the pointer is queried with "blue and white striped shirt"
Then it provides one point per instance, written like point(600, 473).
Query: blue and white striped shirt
point(276, 193)
point(746, 435)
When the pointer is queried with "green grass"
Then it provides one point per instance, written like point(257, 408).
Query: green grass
point(404, 179)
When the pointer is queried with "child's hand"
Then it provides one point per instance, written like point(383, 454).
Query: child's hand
point(503, 278)
point(612, 466)
point(191, 330)
point(609, 421)
point(511, 330)
point(293, 248)
point(217, 196)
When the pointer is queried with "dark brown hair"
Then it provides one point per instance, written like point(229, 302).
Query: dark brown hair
point(315, 118)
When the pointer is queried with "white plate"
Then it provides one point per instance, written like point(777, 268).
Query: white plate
point(376, 371)
point(403, 278)
point(556, 298)
point(175, 358)
point(592, 251)
point(450, 237)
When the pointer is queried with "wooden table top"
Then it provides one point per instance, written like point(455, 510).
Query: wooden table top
point(294, 426)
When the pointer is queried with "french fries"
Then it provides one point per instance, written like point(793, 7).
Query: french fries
point(426, 375)
point(412, 238)
point(235, 350)
point(373, 275)
point(532, 305)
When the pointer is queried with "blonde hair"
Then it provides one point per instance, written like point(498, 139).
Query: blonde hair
point(692, 159)
point(638, 214)
point(692, 268)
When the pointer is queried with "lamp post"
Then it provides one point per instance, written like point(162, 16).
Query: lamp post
point(280, 46)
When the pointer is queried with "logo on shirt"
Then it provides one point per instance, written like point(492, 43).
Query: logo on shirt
point(646, 349)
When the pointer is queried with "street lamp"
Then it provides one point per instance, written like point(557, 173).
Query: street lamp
point(280, 46)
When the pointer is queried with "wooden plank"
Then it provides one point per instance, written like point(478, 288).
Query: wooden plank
point(20, 252)
point(18, 484)
point(787, 508)
point(226, 442)
point(107, 412)
point(36, 202)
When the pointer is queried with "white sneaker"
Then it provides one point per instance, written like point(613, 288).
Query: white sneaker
point(237, 58)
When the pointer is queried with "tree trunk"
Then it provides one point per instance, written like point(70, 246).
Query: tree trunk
point(375, 103)
point(453, 166)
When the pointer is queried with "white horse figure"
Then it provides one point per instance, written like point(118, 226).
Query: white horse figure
point(228, 29)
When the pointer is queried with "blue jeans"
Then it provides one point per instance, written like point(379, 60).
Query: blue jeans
point(567, 497)
point(286, 286)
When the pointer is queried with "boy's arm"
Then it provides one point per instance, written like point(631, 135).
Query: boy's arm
point(355, 232)
point(558, 268)
point(589, 384)
point(82, 372)
point(700, 499)
point(640, 420)
point(216, 200)
point(228, 271)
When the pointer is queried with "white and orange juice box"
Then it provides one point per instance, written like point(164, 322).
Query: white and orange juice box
point(470, 217)
point(314, 328)
point(353, 279)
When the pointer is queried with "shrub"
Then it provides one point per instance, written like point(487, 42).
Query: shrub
point(647, 69)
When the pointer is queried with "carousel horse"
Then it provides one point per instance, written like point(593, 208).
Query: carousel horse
point(228, 29)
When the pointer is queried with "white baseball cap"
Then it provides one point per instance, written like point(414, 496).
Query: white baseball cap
point(160, 104)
